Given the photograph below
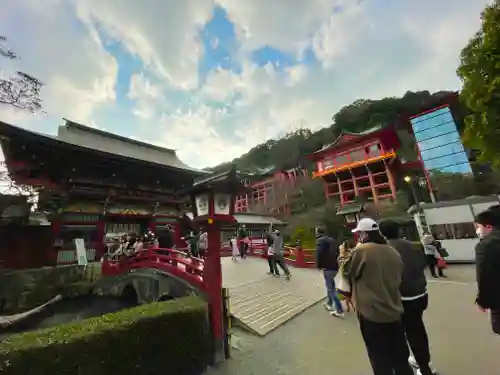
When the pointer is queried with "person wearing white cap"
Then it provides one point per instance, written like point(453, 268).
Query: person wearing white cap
point(375, 274)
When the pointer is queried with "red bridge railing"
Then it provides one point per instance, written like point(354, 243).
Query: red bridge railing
point(294, 256)
point(183, 265)
point(176, 262)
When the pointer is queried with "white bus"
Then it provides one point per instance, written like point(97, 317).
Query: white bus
point(452, 223)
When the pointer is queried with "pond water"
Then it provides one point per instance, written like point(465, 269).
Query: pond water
point(69, 310)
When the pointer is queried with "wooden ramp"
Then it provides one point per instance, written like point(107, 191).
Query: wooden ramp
point(261, 303)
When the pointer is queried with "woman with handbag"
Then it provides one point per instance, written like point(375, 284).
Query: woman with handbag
point(434, 258)
point(342, 279)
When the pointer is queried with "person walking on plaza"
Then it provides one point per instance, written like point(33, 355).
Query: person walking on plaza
point(327, 253)
point(488, 264)
point(273, 268)
point(243, 241)
point(203, 244)
point(233, 244)
point(432, 254)
point(278, 254)
point(413, 294)
point(375, 272)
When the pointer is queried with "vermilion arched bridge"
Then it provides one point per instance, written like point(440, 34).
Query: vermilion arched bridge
point(258, 301)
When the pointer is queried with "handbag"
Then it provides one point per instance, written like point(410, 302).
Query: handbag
point(442, 251)
point(441, 263)
point(342, 284)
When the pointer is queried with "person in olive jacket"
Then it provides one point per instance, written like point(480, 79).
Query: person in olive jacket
point(488, 264)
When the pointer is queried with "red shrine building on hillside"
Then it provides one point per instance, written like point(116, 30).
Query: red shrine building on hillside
point(269, 189)
point(370, 164)
point(359, 164)
point(92, 183)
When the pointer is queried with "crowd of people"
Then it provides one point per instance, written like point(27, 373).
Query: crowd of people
point(128, 244)
point(383, 277)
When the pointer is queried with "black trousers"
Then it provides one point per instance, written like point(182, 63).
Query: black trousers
point(386, 346)
point(432, 264)
point(243, 249)
point(495, 321)
point(273, 267)
point(416, 334)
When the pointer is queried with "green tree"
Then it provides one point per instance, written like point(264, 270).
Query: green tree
point(479, 71)
point(20, 90)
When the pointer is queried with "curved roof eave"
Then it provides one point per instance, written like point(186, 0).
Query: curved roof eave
point(8, 130)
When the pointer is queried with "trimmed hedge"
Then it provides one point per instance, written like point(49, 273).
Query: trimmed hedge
point(171, 337)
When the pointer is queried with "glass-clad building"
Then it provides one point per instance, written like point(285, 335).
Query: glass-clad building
point(439, 142)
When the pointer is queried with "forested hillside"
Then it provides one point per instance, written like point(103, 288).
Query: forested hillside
point(356, 117)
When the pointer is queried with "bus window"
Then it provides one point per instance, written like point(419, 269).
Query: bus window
point(456, 231)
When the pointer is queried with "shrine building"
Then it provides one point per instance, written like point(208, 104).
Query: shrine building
point(269, 190)
point(92, 183)
point(358, 164)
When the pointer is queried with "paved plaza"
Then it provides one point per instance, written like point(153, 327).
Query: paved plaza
point(261, 303)
point(315, 343)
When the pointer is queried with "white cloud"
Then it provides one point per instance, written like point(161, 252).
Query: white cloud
point(283, 24)
point(363, 50)
point(163, 34)
point(79, 75)
point(147, 96)
point(338, 33)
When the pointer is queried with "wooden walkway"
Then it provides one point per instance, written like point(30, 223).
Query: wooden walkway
point(261, 303)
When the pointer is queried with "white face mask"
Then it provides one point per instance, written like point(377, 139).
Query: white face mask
point(362, 237)
point(481, 231)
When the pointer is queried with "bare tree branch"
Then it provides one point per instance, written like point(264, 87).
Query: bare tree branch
point(10, 187)
point(4, 51)
point(22, 90)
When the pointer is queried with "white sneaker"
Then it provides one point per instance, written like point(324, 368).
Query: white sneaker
point(434, 372)
point(328, 307)
point(413, 363)
point(337, 314)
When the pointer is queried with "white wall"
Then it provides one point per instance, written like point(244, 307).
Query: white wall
point(460, 250)
point(449, 215)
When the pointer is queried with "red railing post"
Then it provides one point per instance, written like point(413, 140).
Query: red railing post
point(212, 277)
point(299, 256)
point(174, 258)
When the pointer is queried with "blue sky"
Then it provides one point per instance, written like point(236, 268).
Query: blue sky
point(212, 79)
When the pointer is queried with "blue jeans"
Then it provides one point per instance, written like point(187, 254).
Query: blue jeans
point(331, 291)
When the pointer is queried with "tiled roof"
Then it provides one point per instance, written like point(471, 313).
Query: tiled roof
point(347, 136)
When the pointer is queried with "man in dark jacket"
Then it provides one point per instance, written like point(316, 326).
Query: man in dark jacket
point(414, 295)
point(166, 238)
point(242, 240)
point(327, 253)
point(488, 264)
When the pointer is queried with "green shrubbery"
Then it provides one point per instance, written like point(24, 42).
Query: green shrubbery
point(170, 337)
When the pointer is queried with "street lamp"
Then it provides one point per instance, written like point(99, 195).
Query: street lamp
point(409, 181)
point(212, 200)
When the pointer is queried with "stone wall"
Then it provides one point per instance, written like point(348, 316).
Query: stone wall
point(23, 290)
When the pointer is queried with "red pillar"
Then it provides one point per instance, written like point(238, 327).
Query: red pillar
point(299, 257)
point(213, 281)
point(56, 226)
point(101, 232)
